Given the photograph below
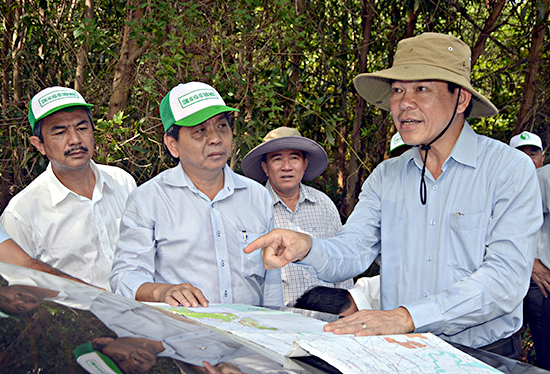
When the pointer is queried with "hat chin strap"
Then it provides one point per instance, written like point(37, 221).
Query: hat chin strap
point(427, 147)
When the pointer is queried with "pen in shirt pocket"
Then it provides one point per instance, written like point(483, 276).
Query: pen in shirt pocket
point(245, 236)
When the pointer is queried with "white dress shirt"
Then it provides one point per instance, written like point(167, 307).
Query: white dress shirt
point(67, 231)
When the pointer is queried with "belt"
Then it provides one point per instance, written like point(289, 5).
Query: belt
point(509, 347)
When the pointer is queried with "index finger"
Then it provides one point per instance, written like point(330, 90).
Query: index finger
point(261, 242)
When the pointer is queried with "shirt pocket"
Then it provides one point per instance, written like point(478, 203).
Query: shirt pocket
point(468, 232)
point(251, 264)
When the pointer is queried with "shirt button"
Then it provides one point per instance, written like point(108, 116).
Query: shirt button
point(434, 187)
point(432, 222)
point(426, 293)
point(225, 293)
point(429, 258)
point(102, 231)
point(223, 263)
point(218, 233)
point(212, 205)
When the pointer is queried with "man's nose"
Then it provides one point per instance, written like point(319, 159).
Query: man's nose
point(74, 136)
point(213, 136)
point(407, 101)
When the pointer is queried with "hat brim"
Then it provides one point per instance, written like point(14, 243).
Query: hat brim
point(315, 154)
point(202, 115)
point(375, 88)
point(71, 106)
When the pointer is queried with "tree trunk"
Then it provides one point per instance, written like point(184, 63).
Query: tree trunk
point(487, 30)
point(130, 52)
point(295, 59)
point(411, 24)
point(82, 56)
point(367, 16)
point(6, 61)
point(526, 110)
point(17, 45)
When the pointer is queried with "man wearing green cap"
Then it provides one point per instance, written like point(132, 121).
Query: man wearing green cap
point(456, 259)
point(68, 217)
point(183, 232)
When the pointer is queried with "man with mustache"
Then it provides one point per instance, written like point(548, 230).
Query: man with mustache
point(68, 217)
point(182, 233)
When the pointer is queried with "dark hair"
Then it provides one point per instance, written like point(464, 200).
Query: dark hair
point(452, 88)
point(38, 125)
point(98, 346)
point(325, 299)
point(174, 132)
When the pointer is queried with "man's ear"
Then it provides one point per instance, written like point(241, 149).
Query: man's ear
point(464, 101)
point(264, 166)
point(35, 140)
point(171, 145)
point(306, 163)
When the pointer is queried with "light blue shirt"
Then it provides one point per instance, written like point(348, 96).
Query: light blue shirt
point(543, 253)
point(461, 264)
point(3, 234)
point(173, 233)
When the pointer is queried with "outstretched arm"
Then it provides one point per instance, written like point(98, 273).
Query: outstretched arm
point(280, 247)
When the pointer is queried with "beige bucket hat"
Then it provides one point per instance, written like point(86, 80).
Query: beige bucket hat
point(429, 56)
point(285, 138)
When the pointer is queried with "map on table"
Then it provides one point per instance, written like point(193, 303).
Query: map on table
point(294, 335)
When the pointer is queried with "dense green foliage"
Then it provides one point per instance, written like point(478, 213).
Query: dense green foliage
point(280, 62)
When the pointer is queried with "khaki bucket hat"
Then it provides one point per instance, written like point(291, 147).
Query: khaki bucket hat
point(278, 140)
point(429, 56)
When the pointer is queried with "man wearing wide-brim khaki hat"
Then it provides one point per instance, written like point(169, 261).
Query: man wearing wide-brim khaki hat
point(456, 255)
point(284, 159)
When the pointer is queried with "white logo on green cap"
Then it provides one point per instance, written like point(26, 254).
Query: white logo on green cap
point(56, 95)
point(196, 96)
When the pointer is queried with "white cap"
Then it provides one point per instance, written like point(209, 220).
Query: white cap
point(526, 138)
point(53, 99)
point(191, 104)
point(396, 142)
point(94, 362)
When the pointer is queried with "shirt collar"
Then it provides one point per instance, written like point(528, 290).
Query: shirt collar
point(58, 192)
point(464, 150)
point(179, 178)
point(304, 195)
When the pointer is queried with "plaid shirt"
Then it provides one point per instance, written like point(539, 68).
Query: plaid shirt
point(316, 215)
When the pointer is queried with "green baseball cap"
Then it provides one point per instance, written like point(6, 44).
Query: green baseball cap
point(53, 99)
point(191, 104)
point(93, 361)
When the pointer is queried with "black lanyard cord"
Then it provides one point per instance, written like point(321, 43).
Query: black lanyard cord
point(427, 147)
